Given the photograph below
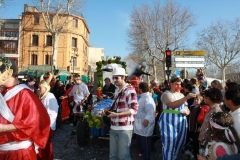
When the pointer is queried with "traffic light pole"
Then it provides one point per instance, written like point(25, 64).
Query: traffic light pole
point(168, 72)
point(168, 62)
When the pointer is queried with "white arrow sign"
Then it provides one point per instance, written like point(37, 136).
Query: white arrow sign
point(189, 59)
point(189, 65)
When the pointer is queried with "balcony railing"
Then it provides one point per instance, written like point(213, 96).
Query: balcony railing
point(9, 33)
point(8, 50)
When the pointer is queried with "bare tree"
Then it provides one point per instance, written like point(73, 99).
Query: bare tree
point(222, 43)
point(233, 73)
point(56, 14)
point(211, 72)
point(4, 5)
point(153, 30)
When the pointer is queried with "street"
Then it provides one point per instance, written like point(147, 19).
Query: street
point(65, 147)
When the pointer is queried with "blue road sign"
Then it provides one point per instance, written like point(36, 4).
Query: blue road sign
point(178, 72)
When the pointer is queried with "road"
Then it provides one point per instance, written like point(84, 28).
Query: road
point(65, 147)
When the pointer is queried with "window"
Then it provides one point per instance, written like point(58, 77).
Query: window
point(8, 46)
point(49, 40)
point(75, 23)
point(34, 40)
point(48, 59)
point(34, 59)
point(74, 42)
point(36, 19)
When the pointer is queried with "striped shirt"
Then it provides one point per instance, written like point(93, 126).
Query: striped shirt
point(126, 101)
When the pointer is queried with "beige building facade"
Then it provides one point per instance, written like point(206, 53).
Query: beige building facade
point(36, 45)
point(94, 55)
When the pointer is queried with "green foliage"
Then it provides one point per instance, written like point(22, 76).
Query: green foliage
point(102, 63)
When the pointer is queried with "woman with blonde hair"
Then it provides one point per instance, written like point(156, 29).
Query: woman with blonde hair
point(50, 103)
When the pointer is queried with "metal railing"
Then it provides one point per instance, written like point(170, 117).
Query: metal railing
point(8, 50)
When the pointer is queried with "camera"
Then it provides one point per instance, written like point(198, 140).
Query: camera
point(107, 112)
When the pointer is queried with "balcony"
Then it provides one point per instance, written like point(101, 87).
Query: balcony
point(9, 35)
point(8, 50)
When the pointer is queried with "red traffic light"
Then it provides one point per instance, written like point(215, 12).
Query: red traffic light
point(168, 58)
point(168, 52)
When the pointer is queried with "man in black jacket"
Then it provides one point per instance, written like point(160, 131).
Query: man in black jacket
point(109, 88)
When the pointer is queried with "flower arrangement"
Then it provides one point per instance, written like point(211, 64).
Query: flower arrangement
point(93, 121)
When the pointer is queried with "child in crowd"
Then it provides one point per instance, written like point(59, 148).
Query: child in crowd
point(194, 126)
point(187, 88)
point(202, 114)
point(212, 97)
point(225, 139)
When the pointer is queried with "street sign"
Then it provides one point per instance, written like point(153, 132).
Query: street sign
point(189, 53)
point(189, 59)
point(178, 72)
point(168, 72)
point(189, 65)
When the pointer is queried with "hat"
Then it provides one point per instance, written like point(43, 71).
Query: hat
point(119, 72)
point(174, 78)
point(45, 84)
point(154, 81)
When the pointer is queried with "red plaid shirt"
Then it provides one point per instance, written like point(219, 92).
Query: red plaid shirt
point(126, 101)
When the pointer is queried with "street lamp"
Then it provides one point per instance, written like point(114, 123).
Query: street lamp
point(72, 63)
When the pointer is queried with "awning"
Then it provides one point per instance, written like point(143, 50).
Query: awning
point(85, 78)
point(37, 71)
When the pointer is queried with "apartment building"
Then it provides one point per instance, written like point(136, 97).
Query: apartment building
point(94, 55)
point(9, 38)
point(36, 45)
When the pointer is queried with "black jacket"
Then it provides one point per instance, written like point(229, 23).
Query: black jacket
point(110, 89)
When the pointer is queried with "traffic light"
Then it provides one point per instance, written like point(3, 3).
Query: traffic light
point(168, 58)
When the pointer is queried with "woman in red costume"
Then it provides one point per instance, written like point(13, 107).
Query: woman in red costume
point(24, 122)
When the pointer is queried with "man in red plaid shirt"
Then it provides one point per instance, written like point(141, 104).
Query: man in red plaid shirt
point(122, 115)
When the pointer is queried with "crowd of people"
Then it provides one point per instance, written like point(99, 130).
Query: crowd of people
point(177, 112)
point(185, 113)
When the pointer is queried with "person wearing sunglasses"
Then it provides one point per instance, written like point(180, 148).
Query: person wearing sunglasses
point(122, 114)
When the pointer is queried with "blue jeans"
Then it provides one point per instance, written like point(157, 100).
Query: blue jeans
point(120, 142)
point(230, 157)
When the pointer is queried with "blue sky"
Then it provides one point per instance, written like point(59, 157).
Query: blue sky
point(109, 19)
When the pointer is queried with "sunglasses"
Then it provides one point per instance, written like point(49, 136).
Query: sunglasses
point(115, 78)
